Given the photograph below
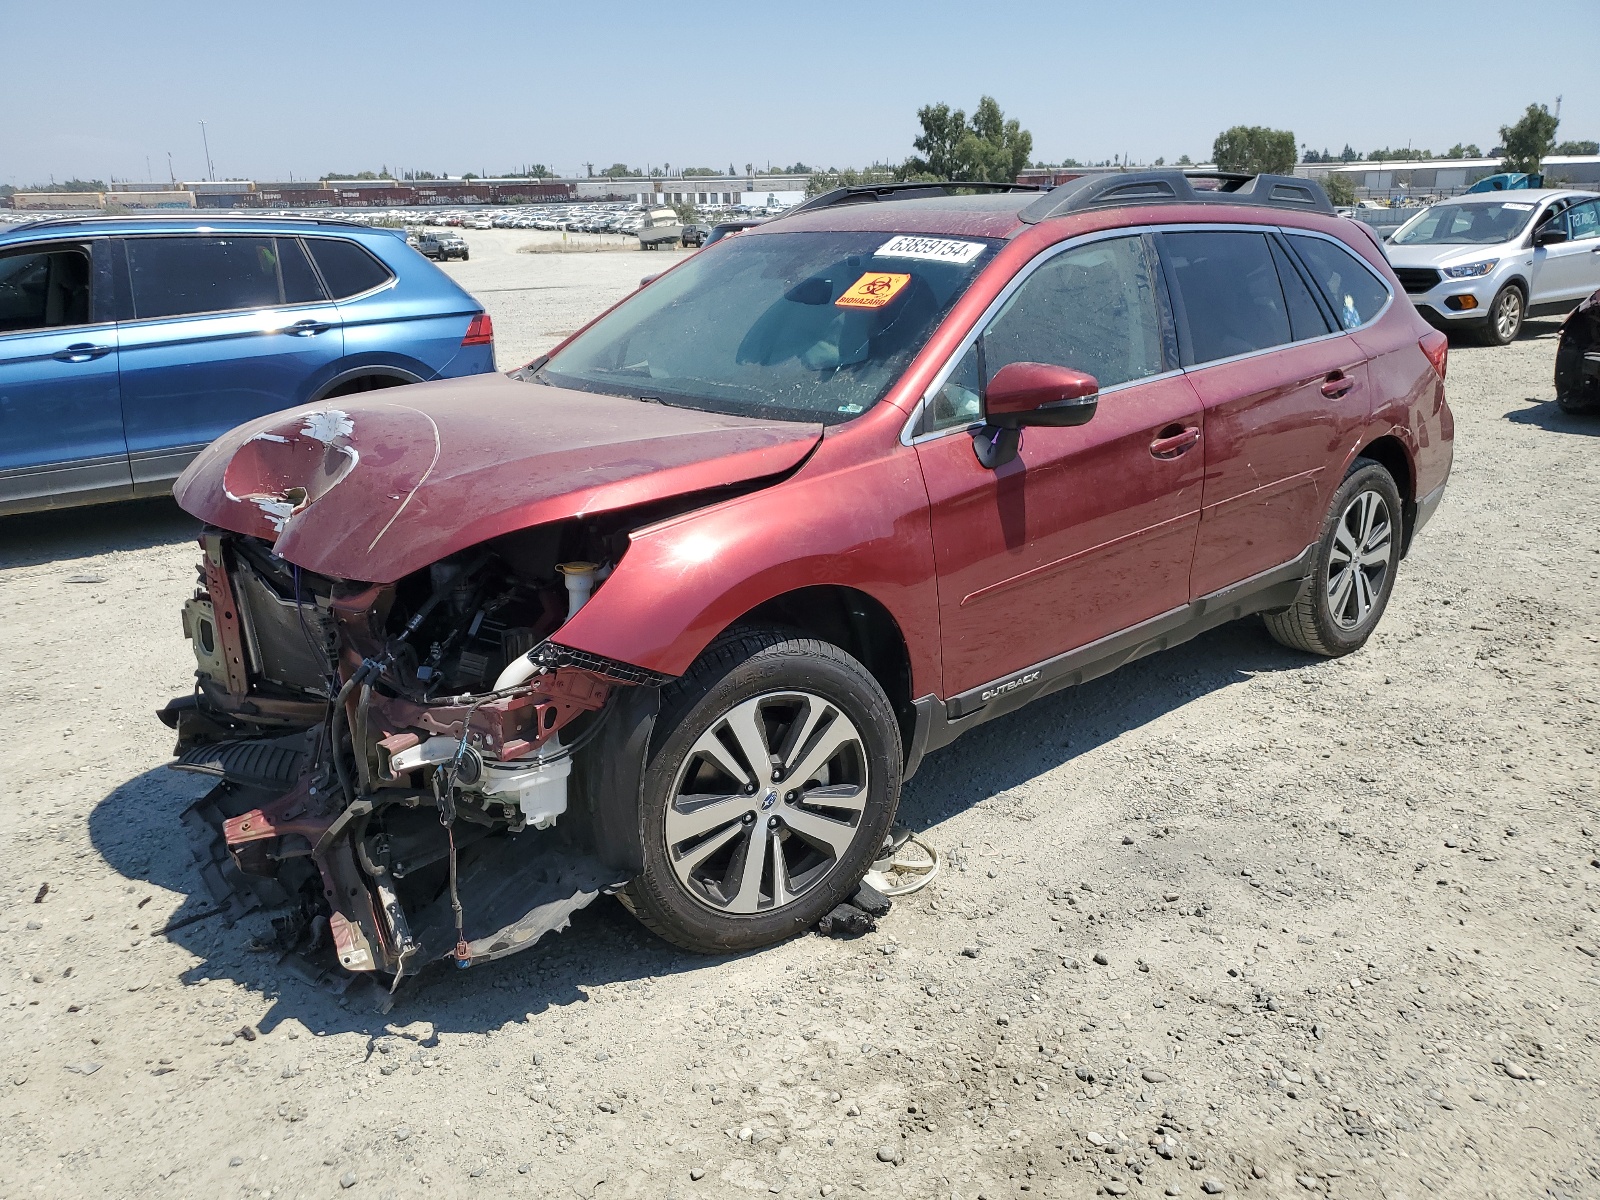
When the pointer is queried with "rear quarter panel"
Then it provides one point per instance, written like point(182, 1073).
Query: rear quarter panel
point(416, 322)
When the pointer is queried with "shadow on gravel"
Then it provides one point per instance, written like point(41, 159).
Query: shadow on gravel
point(73, 533)
point(1053, 731)
point(138, 831)
point(1547, 414)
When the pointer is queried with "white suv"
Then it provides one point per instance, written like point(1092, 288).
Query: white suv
point(1484, 262)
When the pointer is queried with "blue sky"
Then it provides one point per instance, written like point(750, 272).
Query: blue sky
point(97, 88)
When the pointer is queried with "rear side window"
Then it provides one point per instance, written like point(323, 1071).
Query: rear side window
point(173, 276)
point(1357, 295)
point(178, 276)
point(1583, 221)
point(1230, 290)
point(300, 284)
point(346, 267)
point(1306, 318)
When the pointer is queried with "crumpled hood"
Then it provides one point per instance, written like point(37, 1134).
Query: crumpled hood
point(377, 485)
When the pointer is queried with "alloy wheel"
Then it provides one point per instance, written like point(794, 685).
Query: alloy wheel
point(767, 802)
point(1358, 562)
point(1508, 314)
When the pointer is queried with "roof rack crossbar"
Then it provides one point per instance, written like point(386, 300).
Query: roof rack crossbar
point(867, 193)
point(1177, 187)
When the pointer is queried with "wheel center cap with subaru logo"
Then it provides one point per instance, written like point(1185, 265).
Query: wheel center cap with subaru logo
point(769, 800)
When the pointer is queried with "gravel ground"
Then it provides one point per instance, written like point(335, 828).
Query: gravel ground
point(1227, 921)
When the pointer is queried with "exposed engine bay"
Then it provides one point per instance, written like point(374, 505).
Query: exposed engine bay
point(395, 762)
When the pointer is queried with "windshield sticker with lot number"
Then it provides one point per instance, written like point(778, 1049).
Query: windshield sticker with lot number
point(872, 290)
point(1516, 207)
point(932, 249)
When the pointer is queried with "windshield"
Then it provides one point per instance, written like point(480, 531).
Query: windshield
point(1465, 224)
point(796, 326)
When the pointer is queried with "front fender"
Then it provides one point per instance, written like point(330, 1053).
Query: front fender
point(860, 524)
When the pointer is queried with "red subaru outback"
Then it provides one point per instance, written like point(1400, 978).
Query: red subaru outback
point(673, 611)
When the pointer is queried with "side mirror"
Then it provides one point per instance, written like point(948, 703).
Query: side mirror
point(1028, 393)
point(1550, 234)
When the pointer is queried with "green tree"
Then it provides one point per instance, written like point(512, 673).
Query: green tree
point(1467, 150)
point(620, 171)
point(1184, 161)
point(1348, 154)
point(1255, 149)
point(1524, 145)
point(942, 128)
point(698, 172)
point(1577, 148)
point(826, 181)
point(988, 148)
point(1339, 188)
point(1400, 154)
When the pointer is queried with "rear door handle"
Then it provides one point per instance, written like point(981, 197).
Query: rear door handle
point(308, 328)
point(1175, 444)
point(82, 352)
point(1337, 384)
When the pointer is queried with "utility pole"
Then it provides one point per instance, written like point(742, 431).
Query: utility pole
point(171, 175)
point(210, 174)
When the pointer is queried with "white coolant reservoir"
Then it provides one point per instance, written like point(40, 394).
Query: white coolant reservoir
point(539, 789)
point(580, 577)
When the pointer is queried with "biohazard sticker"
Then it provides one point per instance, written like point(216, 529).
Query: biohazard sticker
point(930, 248)
point(872, 290)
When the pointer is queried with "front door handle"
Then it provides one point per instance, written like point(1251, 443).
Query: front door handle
point(82, 352)
point(1170, 445)
point(1337, 384)
point(308, 328)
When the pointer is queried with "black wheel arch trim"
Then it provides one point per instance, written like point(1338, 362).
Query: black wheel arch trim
point(350, 374)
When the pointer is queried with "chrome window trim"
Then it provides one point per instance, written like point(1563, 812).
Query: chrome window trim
point(908, 434)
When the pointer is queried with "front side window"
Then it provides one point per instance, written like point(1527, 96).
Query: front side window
point(1231, 295)
point(806, 326)
point(1095, 308)
point(1357, 295)
point(44, 288)
point(180, 276)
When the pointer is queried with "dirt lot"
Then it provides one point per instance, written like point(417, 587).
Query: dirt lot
point(1229, 921)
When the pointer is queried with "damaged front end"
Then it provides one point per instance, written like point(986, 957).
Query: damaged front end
point(412, 771)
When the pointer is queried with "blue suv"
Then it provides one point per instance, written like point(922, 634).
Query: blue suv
point(127, 344)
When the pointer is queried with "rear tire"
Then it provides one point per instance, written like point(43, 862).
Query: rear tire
point(755, 696)
point(1506, 312)
point(1353, 574)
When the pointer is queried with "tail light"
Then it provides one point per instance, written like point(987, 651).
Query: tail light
point(1437, 347)
point(481, 331)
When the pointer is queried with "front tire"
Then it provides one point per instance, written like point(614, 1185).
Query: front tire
point(772, 781)
point(1354, 571)
point(1506, 311)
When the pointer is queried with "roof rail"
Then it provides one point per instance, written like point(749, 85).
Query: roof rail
point(866, 193)
point(1177, 187)
point(188, 214)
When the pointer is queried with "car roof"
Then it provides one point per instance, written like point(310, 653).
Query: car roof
point(165, 223)
point(1517, 194)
